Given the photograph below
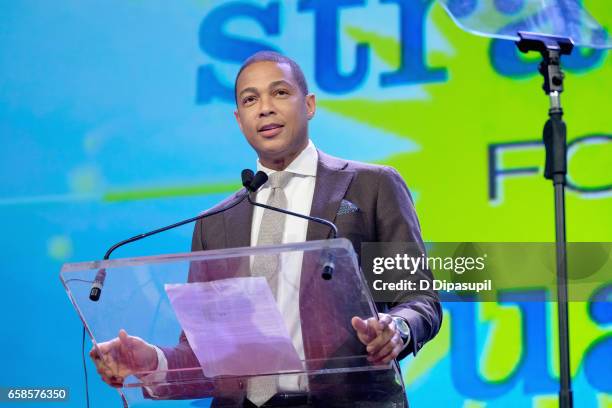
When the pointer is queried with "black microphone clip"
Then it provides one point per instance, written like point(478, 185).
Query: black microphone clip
point(253, 181)
point(247, 178)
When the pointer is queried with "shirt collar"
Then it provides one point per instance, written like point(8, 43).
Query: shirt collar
point(305, 164)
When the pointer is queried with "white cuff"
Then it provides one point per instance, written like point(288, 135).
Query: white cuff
point(159, 375)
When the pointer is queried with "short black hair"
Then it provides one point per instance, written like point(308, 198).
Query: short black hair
point(273, 56)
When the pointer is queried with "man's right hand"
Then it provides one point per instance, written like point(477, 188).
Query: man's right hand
point(123, 356)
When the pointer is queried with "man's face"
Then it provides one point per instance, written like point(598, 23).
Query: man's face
point(272, 112)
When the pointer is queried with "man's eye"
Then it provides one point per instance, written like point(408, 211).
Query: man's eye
point(282, 92)
point(248, 99)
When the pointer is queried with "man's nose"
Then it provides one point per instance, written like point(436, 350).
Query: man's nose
point(266, 108)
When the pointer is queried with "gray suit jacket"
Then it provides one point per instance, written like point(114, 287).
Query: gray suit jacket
point(384, 213)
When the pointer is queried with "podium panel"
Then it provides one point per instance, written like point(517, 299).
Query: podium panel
point(222, 325)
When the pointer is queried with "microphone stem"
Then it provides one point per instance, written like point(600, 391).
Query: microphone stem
point(162, 229)
point(96, 288)
point(306, 217)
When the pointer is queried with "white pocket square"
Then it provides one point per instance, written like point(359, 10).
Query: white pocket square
point(346, 207)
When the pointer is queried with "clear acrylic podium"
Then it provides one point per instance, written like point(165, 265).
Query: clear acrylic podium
point(332, 366)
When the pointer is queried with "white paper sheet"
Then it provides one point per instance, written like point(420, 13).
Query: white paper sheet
point(234, 326)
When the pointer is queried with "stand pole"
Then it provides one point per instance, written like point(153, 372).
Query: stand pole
point(565, 392)
point(555, 142)
point(556, 150)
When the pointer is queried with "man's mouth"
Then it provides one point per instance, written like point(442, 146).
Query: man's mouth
point(271, 129)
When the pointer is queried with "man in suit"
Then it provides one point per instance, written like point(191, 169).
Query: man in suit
point(368, 203)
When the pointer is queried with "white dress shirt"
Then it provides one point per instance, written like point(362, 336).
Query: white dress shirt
point(299, 192)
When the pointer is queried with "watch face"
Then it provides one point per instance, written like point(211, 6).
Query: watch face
point(402, 326)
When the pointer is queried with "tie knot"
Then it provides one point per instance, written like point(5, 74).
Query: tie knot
point(279, 179)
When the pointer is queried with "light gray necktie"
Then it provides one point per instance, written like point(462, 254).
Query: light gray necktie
point(261, 389)
point(271, 229)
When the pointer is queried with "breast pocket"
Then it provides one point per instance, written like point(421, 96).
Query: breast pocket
point(352, 227)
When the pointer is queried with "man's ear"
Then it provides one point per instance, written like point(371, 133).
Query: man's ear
point(237, 116)
point(311, 105)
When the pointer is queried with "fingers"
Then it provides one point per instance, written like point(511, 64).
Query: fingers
point(113, 381)
point(97, 353)
point(136, 354)
point(124, 349)
point(126, 343)
point(110, 359)
point(389, 351)
point(127, 350)
point(373, 327)
point(366, 329)
point(108, 374)
point(123, 336)
point(385, 332)
point(111, 372)
point(384, 320)
point(359, 324)
point(100, 354)
point(380, 336)
point(103, 348)
point(116, 382)
point(361, 328)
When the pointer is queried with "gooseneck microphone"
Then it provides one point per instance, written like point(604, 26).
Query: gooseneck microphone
point(96, 287)
point(252, 182)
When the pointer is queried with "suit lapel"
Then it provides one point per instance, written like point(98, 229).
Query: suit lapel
point(330, 187)
point(238, 223)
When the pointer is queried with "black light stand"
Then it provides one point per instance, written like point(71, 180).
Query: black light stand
point(552, 48)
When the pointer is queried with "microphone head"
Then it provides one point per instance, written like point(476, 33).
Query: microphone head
point(258, 181)
point(96, 288)
point(329, 267)
point(247, 178)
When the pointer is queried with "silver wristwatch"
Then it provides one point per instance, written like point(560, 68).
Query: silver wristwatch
point(402, 327)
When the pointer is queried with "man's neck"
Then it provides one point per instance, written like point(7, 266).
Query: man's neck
point(281, 164)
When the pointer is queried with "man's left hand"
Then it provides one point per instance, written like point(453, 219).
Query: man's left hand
point(381, 338)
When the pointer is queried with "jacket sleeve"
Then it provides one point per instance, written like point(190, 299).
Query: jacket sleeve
point(396, 221)
point(184, 384)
